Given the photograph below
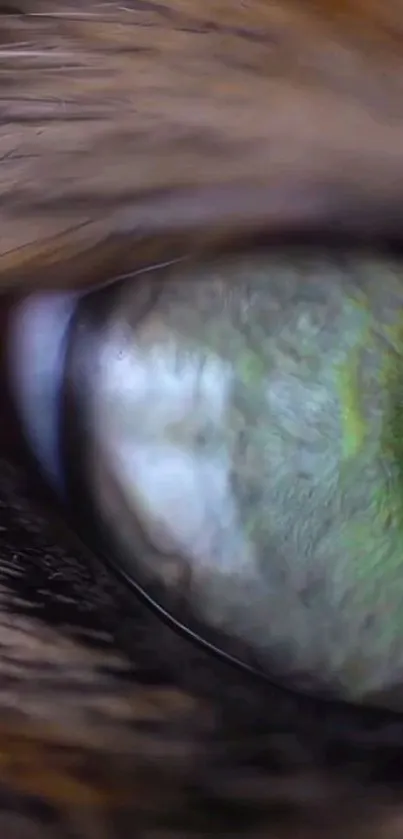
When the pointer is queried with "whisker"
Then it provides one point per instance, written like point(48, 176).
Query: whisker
point(12, 53)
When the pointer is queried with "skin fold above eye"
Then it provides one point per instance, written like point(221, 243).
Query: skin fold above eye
point(131, 134)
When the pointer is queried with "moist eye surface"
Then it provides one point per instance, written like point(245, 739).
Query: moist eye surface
point(240, 428)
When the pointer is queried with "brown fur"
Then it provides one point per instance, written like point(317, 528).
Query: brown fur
point(138, 131)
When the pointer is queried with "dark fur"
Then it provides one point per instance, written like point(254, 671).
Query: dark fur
point(112, 726)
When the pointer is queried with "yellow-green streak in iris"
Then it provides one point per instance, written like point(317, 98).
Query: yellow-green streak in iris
point(376, 542)
point(354, 428)
point(352, 419)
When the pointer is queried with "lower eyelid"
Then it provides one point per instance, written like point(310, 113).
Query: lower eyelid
point(35, 359)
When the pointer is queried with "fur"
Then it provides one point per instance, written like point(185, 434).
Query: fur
point(131, 133)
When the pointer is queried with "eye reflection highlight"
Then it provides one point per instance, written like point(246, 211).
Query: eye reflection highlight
point(36, 357)
point(227, 435)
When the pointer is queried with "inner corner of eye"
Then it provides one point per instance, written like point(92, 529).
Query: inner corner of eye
point(36, 346)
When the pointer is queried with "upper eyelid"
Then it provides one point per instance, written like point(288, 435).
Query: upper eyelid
point(99, 253)
point(286, 171)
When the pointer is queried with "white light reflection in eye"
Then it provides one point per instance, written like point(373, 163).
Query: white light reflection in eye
point(36, 356)
point(160, 413)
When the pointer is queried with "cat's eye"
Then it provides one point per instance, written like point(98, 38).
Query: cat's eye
point(229, 436)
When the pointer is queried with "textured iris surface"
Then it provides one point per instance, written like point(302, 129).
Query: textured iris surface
point(247, 452)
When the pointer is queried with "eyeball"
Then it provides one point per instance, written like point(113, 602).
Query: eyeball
point(227, 435)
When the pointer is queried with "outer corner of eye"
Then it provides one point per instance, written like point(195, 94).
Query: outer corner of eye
point(35, 353)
